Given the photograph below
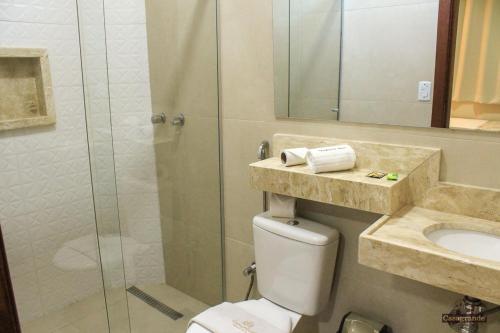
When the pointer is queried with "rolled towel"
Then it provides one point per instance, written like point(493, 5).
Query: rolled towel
point(335, 158)
point(295, 156)
point(282, 206)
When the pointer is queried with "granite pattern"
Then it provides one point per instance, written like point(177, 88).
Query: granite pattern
point(398, 245)
point(345, 188)
point(480, 202)
point(26, 88)
point(418, 167)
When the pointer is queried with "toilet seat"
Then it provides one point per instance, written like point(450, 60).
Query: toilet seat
point(262, 308)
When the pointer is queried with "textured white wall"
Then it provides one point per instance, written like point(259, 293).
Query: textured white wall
point(45, 189)
point(45, 183)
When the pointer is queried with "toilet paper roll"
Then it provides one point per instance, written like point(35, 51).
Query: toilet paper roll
point(295, 156)
point(328, 159)
point(282, 206)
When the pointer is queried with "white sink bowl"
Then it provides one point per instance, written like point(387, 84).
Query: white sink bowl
point(471, 243)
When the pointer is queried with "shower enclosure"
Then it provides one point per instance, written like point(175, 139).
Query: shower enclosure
point(112, 217)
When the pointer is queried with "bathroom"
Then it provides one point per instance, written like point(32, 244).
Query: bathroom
point(126, 195)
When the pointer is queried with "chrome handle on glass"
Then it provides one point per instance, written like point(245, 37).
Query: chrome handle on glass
point(158, 118)
point(178, 120)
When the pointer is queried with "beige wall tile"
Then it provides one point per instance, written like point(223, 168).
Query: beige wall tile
point(252, 66)
point(241, 201)
point(238, 256)
point(190, 207)
point(183, 66)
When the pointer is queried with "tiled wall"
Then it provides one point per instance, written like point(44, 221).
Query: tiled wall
point(45, 190)
point(183, 67)
point(248, 118)
point(45, 183)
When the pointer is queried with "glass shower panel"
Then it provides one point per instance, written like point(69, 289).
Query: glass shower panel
point(182, 40)
point(100, 141)
point(162, 61)
point(46, 204)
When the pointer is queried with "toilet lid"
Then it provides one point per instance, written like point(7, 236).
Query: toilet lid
point(281, 318)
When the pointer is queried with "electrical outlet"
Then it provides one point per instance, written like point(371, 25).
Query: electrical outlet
point(424, 91)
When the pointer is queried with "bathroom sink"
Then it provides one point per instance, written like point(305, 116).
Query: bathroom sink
point(471, 243)
point(455, 252)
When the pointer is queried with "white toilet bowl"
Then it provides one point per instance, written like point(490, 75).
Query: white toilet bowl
point(280, 317)
point(295, 265)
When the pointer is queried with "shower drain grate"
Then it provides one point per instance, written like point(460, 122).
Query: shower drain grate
point(150, 300)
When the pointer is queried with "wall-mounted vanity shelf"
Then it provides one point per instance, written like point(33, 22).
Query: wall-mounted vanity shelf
point(344, 188)
point(26, 97)
point(351, 188)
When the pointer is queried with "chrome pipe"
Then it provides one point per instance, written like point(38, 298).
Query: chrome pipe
point(262, 154)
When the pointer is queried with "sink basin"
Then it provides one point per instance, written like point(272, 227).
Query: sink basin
point(471, 243)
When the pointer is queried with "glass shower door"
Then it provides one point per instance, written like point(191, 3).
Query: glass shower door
point(156, 184)
point(47, 209)
point(96, 82)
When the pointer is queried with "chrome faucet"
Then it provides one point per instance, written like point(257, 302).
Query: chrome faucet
point(161, 118)
point(178, 120)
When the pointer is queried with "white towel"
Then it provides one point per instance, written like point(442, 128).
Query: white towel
point(335, 158)
point(230, 318)
point(295, 156)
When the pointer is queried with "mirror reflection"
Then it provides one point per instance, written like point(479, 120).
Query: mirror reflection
point(392, 62)
point(307, 57)
point(475, 102)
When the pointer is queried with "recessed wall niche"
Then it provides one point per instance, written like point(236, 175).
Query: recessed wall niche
point(26, 98)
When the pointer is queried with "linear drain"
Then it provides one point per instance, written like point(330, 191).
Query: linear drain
point(150, 300)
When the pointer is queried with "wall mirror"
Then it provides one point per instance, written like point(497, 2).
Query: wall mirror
point(408, 63)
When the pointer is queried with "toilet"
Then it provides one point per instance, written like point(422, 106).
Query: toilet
point(295, 261)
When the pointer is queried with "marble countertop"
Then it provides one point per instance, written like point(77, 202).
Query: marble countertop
point(397, 244)
point(350, 188)
point(418, 169)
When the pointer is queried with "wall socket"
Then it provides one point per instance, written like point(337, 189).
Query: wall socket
point(424, 91)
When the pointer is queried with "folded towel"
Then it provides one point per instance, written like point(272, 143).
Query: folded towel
point(335, 158)
point(230, 318)
point(295, 156)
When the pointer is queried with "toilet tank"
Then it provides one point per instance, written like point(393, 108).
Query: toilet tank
point(295, 262)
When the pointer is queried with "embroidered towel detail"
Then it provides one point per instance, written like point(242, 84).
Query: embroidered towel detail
point(229, 318)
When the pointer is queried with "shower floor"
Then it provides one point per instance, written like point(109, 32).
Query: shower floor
point(89, 315)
